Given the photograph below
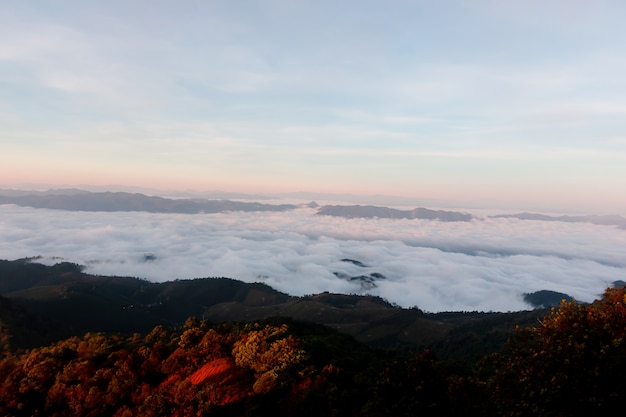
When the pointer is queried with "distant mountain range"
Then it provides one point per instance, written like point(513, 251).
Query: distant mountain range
point(351, 212)
point(81, 200)
point(76, 200)
point(607, 220)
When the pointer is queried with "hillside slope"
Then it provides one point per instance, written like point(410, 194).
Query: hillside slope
point(78, 303)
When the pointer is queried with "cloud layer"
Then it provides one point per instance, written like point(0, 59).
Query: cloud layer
point(485, 264)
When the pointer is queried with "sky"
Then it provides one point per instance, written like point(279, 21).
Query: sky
point(469, 101)
point(486, 264)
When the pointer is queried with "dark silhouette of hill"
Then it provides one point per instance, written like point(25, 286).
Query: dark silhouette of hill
point(606, 220)
point(22, 328)
point(72, 199)
point(369, 319)
point(80, 200)
point(619, 283)
point(358, 211)
point(79, 302)
point(76, 303)
point(122, 201)
point(546, 298)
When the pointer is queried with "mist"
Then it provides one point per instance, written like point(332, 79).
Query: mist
point(486, 264)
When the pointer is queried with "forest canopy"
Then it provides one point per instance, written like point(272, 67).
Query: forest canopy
point(570, 363)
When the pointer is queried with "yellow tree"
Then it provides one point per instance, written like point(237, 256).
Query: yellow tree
point(268, 352)
point(572, 363)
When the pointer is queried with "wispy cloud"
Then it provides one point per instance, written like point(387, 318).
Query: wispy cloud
point(250, 87)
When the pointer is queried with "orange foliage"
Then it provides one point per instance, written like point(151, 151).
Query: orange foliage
point(215, 367)
point(572, 362)
point(268, 352)
point(188, 372)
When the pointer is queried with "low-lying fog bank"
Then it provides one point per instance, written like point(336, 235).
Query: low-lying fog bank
point(482, 264)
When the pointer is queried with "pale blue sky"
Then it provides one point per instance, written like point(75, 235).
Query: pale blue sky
point(464, 100)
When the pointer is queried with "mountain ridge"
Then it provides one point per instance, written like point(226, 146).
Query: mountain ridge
point(358, 211)
point(79, 303)
point(74, 199)
point(123, 201)
point(600, 220)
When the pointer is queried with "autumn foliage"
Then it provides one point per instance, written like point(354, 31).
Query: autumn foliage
point(571, 363)
point(180, 373)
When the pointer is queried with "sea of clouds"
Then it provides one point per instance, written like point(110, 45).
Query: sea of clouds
point(485, 264)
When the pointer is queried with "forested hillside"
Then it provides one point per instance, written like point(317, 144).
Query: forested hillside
point(65, 301)
point(566, 362)
point(570, 364)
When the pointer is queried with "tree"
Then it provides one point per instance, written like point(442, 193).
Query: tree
point(268, 352)
point(572, 363)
